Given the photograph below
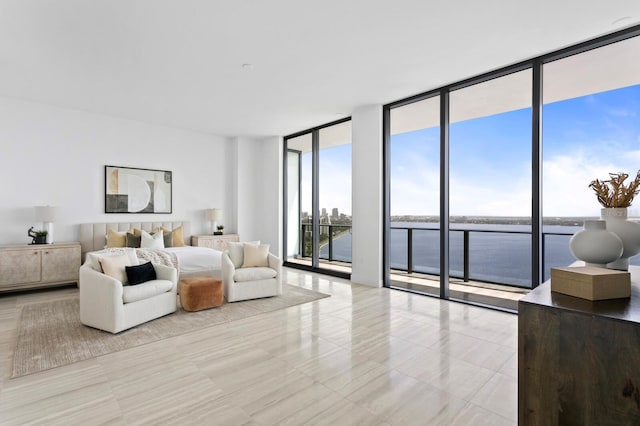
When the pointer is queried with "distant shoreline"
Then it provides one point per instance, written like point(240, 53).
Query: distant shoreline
point(497, 220)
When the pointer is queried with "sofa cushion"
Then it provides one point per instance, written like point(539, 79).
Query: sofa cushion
point(140, 273)
point(133, 293)
point(254, 274)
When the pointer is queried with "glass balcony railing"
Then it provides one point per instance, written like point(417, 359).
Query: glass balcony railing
point(484, 255)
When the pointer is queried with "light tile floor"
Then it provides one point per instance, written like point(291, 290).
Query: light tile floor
point(363, 356)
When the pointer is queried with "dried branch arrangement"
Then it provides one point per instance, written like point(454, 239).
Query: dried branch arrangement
point(613, 192)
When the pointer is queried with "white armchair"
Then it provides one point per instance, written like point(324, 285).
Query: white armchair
point(252, 282)
point(108, 305)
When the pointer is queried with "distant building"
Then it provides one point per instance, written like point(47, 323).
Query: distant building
point(334, 213)
point(324, 220)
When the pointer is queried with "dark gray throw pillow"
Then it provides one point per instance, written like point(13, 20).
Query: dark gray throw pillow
point(141, 273)
point(168, 239)
point(133, 240)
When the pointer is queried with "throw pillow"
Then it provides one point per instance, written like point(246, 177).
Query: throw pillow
point(133, 240)
point(256, 255)
point(155, 241)
point(141, 273)
point(168, 239)
point(114, 266)
point(236, 252)
point(178, 236)
point(116, 239)
point(93, 258)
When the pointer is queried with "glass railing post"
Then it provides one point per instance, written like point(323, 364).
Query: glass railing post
point(303, 239)
point(410, 250)
point(466, 256)
point(542, 260)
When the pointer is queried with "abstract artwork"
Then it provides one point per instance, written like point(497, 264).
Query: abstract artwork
point(129, 190)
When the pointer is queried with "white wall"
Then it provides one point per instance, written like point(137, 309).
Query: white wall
point(259, 190)
point(56, 156)
point(366, 195)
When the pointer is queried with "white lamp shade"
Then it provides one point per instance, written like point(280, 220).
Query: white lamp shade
point(214, 214)
point(46, 213)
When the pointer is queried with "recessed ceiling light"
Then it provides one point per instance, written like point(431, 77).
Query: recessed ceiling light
point(247, 67)
point(621, 21)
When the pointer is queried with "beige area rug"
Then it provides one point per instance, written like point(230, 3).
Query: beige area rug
point(50, 334)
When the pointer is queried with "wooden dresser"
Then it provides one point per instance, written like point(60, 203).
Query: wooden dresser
point(218, 242)
point(578, 360)
point(38, 265)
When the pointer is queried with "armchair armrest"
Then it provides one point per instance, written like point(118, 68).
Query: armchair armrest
point(100, 299)
point(92, 282)
point(168, 273)
point(227, 272)
point(275, 263)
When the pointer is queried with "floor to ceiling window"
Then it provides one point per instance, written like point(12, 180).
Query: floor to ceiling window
point(414, 177)
point(299, 171)
point(490, 189)
point(318, 198)
point(515, 190)
point(591, 122)
point(334, 196)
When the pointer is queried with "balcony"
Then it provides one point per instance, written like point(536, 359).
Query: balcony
point(491, 266)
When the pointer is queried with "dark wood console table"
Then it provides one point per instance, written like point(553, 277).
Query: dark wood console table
point(579, 361)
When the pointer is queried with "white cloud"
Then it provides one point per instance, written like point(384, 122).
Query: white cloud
point(491, 196)
point(566, 181)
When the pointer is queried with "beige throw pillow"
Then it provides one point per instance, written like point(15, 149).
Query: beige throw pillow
point(116, 239)
point(114, 266)
point(178, 236)
point(256, 255)
point(236, 252)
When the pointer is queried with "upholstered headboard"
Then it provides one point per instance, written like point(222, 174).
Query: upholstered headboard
point(93, 236)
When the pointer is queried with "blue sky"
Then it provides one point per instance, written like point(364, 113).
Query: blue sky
point(583, 138)
point(334, 177)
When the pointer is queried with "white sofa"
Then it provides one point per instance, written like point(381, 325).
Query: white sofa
point(108, 305)
point(251, 283)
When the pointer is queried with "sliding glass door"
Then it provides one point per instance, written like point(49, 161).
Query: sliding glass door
point(318, 198)
point(299, 244)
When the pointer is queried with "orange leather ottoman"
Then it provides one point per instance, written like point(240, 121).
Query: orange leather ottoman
point(200, 293)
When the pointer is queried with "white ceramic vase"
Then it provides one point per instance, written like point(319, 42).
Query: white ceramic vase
point(595, 245)
point(629, 233)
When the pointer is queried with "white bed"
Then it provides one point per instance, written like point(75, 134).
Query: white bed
point(193, 261)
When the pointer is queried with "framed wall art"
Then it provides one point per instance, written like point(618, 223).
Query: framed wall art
point(130, 190)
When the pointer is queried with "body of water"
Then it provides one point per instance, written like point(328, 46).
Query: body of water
point(499, 257)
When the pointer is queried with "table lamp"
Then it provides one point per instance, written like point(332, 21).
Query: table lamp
point(46, 215)
point(213, 216)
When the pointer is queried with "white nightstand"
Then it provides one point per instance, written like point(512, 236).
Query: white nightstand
point(218, 242)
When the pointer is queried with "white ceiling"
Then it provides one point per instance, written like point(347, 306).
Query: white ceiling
point(179, 62)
